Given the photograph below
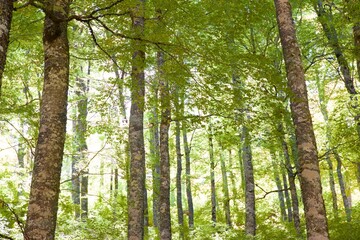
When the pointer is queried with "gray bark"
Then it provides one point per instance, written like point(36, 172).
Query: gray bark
point(225, 190)
point(212, 176)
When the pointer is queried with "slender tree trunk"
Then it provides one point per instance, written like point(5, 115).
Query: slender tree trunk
point(323, 108)
point(346, 199)
point(287, 196)
point(225, 191)
point(45, 183)
point(164, 200)
point(310, 181)
point(178, 180)
point(6, 10)
point(188, 175)
point(21, 146)
point(250, 214)
point(212, 176)
point(136, 182)
point(155, 156)
point(284, 216)
point(232, 176)
point(356, 33)
point(292, 185)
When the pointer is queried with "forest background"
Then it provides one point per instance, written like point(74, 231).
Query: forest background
point(178, 119)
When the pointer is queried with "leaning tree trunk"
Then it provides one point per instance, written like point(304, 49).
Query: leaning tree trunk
point(6, 10)
point(310, 181)
point(45, 183)
point(346, 199)
point(250, 214)
point(136, 186)
point(212, 176)
point(164, 198)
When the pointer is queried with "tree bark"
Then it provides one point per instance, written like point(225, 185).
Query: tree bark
point(250, 214)
point(310, 181)
point(136, 186)
point(164, 198)
point(279, 186)
point(178, 180)
point(346, 199)
point(225, 190)
point(212, 176)
point(6, 10)
point(292, 185)
point(45, 183)
point(188, 175)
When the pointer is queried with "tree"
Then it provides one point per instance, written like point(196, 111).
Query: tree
point(136, 128)
point(315, 214)
point(6, 10)
point(45, 183)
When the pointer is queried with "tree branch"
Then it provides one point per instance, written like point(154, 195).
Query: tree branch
point(273, 191)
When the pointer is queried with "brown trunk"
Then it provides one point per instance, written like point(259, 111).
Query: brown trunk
point(212, 176)
point(44, 192)
point(164, 200)
point(136, 181)
point(310, 181)
point(250, 214)
point(6, 12)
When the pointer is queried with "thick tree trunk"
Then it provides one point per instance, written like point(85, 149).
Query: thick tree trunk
point(346, 199)
point(6, 10)
point(45, 184)
point(136, 181)
point(188, 176)
point(279, 186)
point(212, 176)
point(178, 180)
point(225, 191)
point(164, 200)
point(250, 214)
point(310, 181)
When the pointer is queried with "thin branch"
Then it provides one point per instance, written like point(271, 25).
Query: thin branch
point(273, 191)
point(16, 216)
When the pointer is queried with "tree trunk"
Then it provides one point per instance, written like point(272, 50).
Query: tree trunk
point(188, 175)
point(310, 181)
point(45, 183)
point(6, 10)
point(178, 180)
point(136, 182)
point(284, 216)
point(225, 190)
point(250, 214)
point(212, 176)
point(292, 185)
point(164, 200)
point(287, 196)
point(346, 199)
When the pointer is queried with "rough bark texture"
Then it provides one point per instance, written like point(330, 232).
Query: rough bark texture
point(212, 176)
point(310, 181)
point(346, 199)
point(225, 191)
point(250, 214)
point(45, 183)
point(188, 176)
point(178, 178)
point(164, 200)
point(6, 11)
point(136, 182)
